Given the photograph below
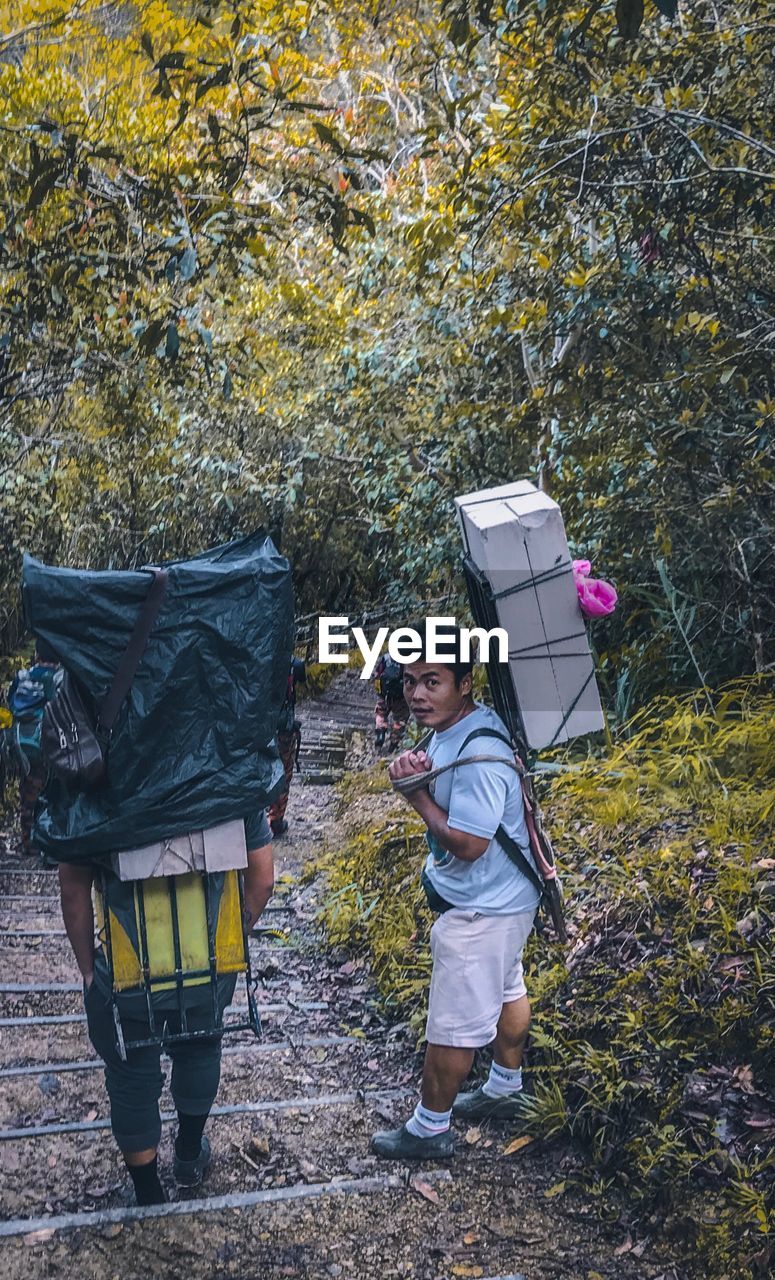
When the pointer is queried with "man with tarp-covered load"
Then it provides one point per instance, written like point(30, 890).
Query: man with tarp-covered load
point(134, 1085)
point(485, 907)
point(161, 747)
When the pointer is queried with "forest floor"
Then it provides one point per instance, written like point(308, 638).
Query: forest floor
point(291, 1127)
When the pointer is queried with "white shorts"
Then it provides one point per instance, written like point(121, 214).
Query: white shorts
point(477, 968)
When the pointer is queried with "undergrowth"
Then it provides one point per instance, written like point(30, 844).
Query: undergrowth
point(319, 675)
point(653, 1037)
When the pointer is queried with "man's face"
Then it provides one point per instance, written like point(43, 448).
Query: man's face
point(432, 695)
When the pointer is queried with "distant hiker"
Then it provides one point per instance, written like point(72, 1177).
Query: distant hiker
point(391, 712)
point(30, 690)
point(289, 744)
point(485, 911)
point(134, 1085)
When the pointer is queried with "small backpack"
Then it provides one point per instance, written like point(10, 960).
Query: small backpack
point(30, 691)
point(391, 680)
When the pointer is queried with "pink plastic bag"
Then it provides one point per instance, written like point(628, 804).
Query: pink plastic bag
point(596, 597)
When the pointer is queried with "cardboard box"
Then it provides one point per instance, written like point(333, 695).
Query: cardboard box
point(220, 848)
point(515, 536)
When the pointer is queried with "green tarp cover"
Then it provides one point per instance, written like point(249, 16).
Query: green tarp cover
point(194, 741)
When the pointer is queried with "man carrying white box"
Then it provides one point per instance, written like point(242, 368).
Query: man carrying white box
point(485, 904)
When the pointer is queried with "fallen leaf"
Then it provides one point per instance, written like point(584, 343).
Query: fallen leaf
point(516, 1145)
point(473, 1136)
point(258, 1147)
point(556, 1190)
point(463, 1270)
point(425, 1190)
point(743, 1078)
point(594, 1275)
point(40, 1237)
point(470, 1238)
point(52, 1162)
point(624, 1247)
point(767, 864)
point(91, 1115)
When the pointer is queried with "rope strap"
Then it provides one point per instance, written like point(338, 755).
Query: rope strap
point(548, 575)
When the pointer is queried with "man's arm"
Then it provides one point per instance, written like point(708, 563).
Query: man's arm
point(259, 882)
point(461, 844)
point(78, 914)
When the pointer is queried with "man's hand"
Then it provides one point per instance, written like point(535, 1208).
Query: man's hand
point(409, 764)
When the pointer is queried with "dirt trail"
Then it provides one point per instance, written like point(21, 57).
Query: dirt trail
point(292, 1121)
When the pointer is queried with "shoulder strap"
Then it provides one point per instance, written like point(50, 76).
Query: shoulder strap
point(507, 843)
point(130, 659)
point(517, 857)
point(485, 733)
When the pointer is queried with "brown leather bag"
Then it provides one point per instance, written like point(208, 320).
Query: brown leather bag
point(73, 741)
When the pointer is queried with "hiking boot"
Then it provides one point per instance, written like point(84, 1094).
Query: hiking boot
point(189, 1173)
point(480, 1106)
point(400, 1144)
point(279, 828)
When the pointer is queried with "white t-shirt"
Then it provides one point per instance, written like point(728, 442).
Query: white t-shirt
point(478, 798)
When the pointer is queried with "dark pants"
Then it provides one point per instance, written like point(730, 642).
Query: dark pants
point(395, 705)
point(286, 744)
point(134, 1087)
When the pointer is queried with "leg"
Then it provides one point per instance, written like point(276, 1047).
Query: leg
point(444, 1070)
point(501, 1095)
point(399, 712)
point(134, 1088)
point(286, 743)
point(196, 1073)
point(380, 722)
point(513, 1026)
point(463, 1009)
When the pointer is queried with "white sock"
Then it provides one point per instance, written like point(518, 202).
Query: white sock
point(502, 1082)
point(428, 1124)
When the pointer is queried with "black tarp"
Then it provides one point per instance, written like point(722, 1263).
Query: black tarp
point(194, 742)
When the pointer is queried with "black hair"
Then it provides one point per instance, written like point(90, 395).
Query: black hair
point(449, 641)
